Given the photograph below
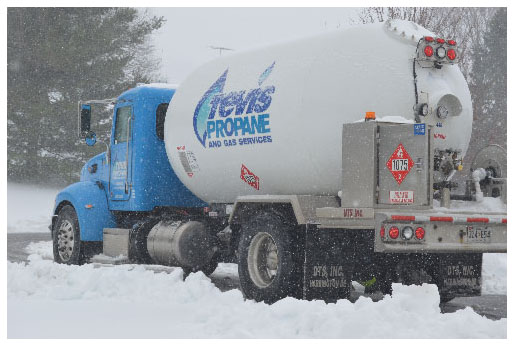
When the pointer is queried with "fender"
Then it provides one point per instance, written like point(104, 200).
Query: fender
point(90, 202)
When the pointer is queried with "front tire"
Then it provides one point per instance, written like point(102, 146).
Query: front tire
point(268, 269)
point(66, 238)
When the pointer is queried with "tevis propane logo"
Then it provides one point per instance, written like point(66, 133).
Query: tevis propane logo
point(236, 117)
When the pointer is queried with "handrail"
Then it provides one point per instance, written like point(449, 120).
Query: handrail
point(129, 120)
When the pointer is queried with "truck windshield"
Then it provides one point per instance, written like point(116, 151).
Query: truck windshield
point(122, 125)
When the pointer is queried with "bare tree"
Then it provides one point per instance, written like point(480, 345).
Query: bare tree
point(468, 26)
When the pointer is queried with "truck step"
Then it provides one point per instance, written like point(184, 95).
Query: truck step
point(116, 242)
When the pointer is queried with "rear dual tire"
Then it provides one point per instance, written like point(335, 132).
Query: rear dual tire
point(269, 266)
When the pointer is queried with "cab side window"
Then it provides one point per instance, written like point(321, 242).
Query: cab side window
point(159, 120)
point(121, 131)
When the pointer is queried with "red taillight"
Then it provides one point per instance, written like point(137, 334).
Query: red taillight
point(394, 232)
point(382, 232)
point(429, 39)
point(420, 233)
point(451, 54)
point(439, 40)
point(451, 42)
point(429, 51)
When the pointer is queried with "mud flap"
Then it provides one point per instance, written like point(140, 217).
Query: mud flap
point(460, 275)
point(329, 264)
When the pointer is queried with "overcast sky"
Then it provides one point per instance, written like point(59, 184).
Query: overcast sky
point(183, 42)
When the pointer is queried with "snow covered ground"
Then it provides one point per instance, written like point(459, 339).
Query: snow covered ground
point(29, 208)
point(131, 302)
point(49, 300)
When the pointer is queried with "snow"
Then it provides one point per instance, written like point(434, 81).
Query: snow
point(487, 204)
point(407, 29)
point(55, 96)
point(390, 119)
point(128, 301)
point(131, 301)
point(161, 85)
point(494, 273)
point(29, 208)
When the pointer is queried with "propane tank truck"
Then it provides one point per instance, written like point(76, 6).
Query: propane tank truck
point(310, 164)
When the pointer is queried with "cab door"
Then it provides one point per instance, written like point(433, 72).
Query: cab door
point(120, 178)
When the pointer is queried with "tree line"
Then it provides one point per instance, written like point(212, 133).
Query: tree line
point(56, 57)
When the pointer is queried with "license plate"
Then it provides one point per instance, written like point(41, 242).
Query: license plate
point(478, 234)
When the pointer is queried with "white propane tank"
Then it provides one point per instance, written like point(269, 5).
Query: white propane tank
point(269, 121)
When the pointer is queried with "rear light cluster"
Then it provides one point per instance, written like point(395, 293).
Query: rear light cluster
point(442, 48)
point(402, 232)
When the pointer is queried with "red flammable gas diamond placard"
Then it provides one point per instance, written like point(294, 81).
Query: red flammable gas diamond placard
point(248, 177)
point(400, 164)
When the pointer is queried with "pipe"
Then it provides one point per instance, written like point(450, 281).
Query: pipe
point(478, 175)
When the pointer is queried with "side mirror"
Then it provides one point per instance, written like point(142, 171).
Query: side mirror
point(90, 138)
point(85, 120)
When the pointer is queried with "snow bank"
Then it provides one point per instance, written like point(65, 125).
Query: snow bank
point(29, 208)
point(41, 248)
point(494, 273)
point(494, 268)
point(131, 302)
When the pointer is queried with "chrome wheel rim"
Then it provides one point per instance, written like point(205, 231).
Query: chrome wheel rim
point(262, 259)
point(65, 240)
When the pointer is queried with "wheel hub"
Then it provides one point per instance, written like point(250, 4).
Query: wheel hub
point(262, 259)
point(65, 240)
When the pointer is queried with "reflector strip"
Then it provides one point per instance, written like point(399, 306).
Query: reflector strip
point(441, 218)
point(478, 219)
point(403, 218)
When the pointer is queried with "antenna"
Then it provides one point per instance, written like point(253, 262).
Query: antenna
point(220, 48)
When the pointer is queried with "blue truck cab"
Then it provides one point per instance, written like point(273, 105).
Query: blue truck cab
point(133, 177)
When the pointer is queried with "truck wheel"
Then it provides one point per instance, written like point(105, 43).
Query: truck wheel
point(66, 237)
point(267, 268)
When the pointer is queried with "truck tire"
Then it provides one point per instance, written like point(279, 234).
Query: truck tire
point(267, 268)
point(67, 246)
point(138, 250)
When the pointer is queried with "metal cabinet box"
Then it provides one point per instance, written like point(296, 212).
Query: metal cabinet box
point(403, 165)
point(359, 165)
point(387, 165)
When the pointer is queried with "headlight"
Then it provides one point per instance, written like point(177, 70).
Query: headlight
point(407, 233)
point(442, 112)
